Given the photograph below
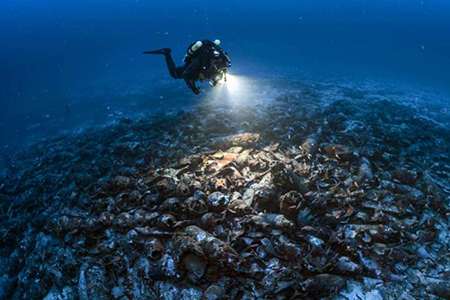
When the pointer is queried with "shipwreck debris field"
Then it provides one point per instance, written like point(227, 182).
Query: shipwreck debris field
point(298, 197)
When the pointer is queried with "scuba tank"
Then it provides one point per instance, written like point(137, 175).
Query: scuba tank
point(191, 50)
point(215, 60)
point(194, 47)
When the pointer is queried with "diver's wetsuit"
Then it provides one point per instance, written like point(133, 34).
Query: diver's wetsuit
point(197, 65)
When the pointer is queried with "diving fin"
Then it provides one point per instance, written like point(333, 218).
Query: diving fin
point(160, 51)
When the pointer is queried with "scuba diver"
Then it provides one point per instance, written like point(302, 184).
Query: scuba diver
point(204, 60)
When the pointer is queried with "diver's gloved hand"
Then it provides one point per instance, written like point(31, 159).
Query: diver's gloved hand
point(195, 89)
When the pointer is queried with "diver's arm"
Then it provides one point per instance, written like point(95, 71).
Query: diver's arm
point(190, 74)
point(191, 84)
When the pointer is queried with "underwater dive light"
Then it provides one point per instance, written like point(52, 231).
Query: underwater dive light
point(232, 82)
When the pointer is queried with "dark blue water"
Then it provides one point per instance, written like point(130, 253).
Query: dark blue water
point(52, 50)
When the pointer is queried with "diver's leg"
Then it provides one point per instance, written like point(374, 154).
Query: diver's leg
point(173, 70)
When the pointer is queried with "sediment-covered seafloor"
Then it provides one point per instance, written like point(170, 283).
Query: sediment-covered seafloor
point(294, 198)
